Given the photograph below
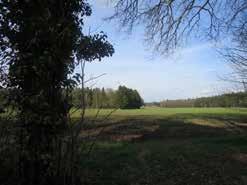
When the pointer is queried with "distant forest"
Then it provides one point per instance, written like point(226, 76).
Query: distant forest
point(123, 97)
point(127, 98)
point(225, 100)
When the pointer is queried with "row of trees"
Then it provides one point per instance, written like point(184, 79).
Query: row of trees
point(226, 100)
point(177, 103)
point(123, 97)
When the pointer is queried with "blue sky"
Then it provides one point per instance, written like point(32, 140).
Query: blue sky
point(193, 71)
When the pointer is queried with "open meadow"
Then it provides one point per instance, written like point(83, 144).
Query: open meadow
point(168, 146)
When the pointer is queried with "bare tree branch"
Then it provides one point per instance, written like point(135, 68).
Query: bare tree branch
point(169, 23)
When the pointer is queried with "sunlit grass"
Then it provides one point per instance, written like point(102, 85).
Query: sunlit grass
point(163, 112)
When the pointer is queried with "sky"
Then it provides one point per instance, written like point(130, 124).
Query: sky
point(193, 71)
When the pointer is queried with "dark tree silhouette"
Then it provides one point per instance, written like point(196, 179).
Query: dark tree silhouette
point(40, 42)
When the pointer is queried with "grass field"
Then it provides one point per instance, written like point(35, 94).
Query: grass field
point(166, 112)
point(177, 146)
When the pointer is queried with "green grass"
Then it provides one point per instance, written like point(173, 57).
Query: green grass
point(176, 146)
point(164, 112)
point(164, 146)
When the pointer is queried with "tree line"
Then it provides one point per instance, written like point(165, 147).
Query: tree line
point(123, 97)
point(238, 99)
point(226, 100)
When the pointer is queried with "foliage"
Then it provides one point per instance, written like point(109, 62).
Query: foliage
point(40, 44)
point(225, 100)
point(108, 98)
point(128, 98)
point(3, 99)
point(94, 98)
point(177, 103)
